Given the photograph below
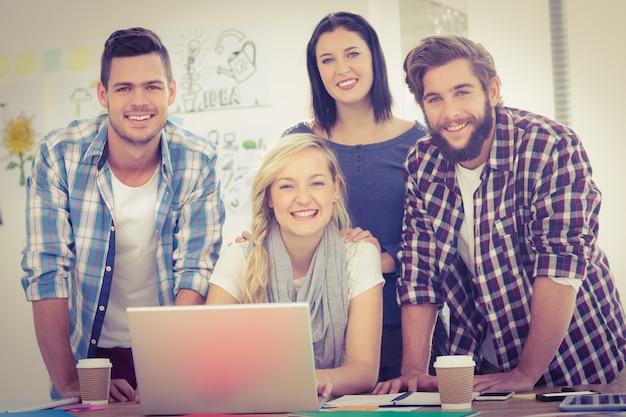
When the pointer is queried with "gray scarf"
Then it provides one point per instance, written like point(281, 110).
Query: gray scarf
point(325, 289)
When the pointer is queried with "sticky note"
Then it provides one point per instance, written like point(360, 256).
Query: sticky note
point(52, 60)
point(79, 58)
point(4, 64)
point(524, 396)
point(25, 63)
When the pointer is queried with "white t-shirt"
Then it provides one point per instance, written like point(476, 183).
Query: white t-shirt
point(134, 274)
point(364, 269)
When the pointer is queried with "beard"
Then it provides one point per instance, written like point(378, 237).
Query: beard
point(482, 131)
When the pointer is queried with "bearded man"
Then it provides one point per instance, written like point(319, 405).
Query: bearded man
point(501, 225)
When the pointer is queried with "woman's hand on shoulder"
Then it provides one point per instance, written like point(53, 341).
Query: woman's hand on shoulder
point(245, 236)
point(357, 234)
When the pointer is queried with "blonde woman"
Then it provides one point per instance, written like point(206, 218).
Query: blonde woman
point(296, 253)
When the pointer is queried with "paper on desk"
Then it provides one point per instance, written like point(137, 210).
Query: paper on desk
point(219, 415)
point(13, 406)
point(386, 400)
point(365, 400)
point(389, 400)
point(389, 412)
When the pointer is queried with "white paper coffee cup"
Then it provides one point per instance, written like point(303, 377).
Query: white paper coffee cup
point(455, 378)
point(94, 377)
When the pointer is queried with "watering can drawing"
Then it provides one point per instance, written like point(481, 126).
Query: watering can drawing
point(241, 63)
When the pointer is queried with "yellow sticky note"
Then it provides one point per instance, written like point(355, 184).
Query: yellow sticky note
point(25, 63)
point(524, 396)
point(4, 64)
point(79, 57)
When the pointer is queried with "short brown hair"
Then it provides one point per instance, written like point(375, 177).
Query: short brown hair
point(132, 42)
point(435, 51)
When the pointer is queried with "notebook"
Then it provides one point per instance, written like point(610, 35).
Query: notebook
point(17, 406)
point(244, 358)
point(405, 399)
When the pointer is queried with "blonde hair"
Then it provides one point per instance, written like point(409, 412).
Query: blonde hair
point(257, 271)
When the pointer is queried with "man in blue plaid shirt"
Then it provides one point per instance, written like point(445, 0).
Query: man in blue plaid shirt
point(122, 210)
point(501, 224)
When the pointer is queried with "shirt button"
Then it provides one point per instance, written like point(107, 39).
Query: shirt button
point(101, 308)
point(108, 268)
point(94, 341)
point(113, 228)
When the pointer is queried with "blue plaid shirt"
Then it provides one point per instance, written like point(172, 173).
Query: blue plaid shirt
point(535, 216)
point(71, 228)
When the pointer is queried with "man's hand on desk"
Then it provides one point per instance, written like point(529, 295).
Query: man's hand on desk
point(514, 380)
point(417, 381)
point(72, 391)
point(324, 383)
point(121, 391)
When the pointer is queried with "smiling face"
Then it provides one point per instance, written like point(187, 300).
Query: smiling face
point(344, 62)
point(302, 196)
point(459, 114)
point(137, 98)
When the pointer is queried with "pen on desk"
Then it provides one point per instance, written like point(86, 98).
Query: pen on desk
point(402, 396)
point(394, 403)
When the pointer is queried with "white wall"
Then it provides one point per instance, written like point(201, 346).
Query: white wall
point(598, 111)
point(515, 32)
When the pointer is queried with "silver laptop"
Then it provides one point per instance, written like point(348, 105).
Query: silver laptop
point(244, 358)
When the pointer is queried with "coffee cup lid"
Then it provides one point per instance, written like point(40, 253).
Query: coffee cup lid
point(94, 363)
point(453, 361)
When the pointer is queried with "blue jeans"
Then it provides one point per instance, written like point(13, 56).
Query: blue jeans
point(122, 361)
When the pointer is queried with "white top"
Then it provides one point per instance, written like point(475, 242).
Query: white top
point(469, 180)
point(364, 270)
point(134, 274)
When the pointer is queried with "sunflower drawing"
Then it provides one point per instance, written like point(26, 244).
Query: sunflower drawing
point(19, 137)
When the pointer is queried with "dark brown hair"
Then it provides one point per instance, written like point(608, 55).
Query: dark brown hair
point(324, 106)
point(132, 42)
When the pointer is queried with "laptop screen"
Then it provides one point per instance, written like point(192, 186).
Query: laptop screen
point(244, 358)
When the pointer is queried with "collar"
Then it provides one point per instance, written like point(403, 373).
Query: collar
point(98, 147)
point(502, 154)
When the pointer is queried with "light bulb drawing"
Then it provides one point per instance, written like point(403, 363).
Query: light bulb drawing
point(190, 82)
point(193, 50)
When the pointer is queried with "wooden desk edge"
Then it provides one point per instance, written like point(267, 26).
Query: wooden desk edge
point(514, 407)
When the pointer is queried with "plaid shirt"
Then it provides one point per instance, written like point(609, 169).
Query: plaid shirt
point(535, 216)
point(70, 227)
